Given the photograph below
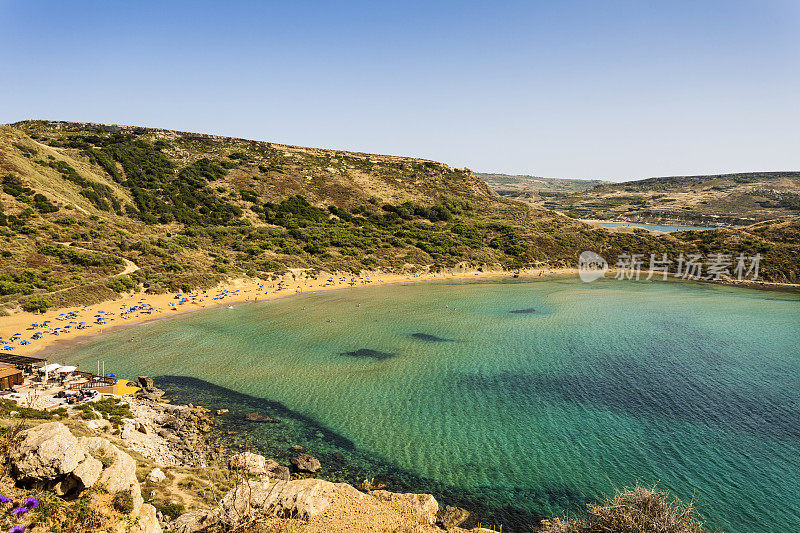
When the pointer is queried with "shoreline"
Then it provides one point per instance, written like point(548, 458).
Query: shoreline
point(236, 291)
point(244, 290)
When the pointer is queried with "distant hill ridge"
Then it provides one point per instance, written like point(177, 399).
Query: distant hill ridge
point(706, 177)
point(730, 198)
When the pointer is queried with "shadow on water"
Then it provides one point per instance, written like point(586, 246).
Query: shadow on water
point(513, 507)
point(429, 338)
point(527, 311)
point(366, 352)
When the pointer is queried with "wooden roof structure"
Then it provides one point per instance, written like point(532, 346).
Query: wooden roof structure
point(20, 359)
point(7, 371)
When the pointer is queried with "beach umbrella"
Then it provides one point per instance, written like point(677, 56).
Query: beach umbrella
point(24, 342)
point(110, 376)
point(8, 348)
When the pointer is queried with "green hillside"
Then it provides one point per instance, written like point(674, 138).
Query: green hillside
point(82, 203)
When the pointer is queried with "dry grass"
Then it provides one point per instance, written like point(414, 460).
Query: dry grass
point(633, 510)
point(273, 524)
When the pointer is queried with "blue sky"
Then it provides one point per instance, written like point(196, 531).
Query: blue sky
point(595, 89)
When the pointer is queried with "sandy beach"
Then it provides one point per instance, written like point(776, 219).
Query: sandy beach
point(232, 292)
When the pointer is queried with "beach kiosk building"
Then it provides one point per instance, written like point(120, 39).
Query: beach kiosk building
point(10, 376)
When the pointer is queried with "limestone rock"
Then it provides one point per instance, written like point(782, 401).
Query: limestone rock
point(257, 465)
point(306, 463)
point(423, 506)
point(302, 498)
point(156, 475)
point(201, 521)
point(451, 516)
point(249, 463)
point(146, 383)
point(279, 472)
point(49, 457)
point(169, 435)
point(148, 389)
point(143, 521)
point(100, 424)
point(258, 417)
point(120, 474)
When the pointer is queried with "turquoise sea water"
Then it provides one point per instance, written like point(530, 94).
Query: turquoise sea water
point(517, 398)
point(653, 227)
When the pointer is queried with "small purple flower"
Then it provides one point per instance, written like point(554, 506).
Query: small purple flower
point(31, 503)
point(17, 529)
point(19, 511)
point(4, 499)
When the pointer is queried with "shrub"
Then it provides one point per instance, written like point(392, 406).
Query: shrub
point(173, 510)
point(635, 510)
point(76, 257)
point(6, 406)
point(123, 501)
point(36, 304)
point(123, 284)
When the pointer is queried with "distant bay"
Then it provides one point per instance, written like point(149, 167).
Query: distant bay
point(653, 227)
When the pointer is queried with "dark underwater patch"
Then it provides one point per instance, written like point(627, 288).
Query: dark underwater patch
point(526, 311)
point(429, 338)
point(367, 352)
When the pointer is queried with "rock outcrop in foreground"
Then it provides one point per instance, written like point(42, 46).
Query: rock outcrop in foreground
point(167, 434)
point(324, 506)
point(49, 457)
